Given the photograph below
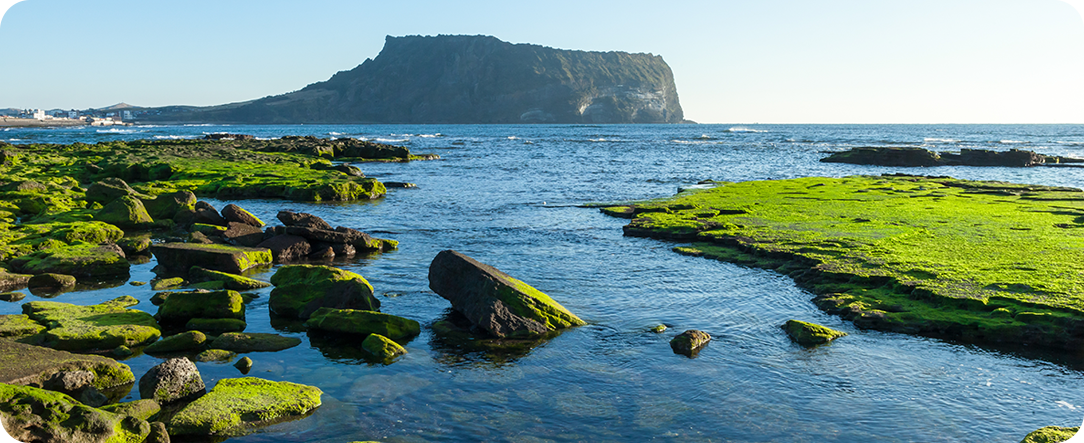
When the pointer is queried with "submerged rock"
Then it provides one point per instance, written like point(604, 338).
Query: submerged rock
point(352, 321)
point(240, 404)
point(253, 342)
point(176, 379)
point(35, 365)
point(32, 414)
point(302, 289)
point(216, 326)
point(494, 301)
point(382, 347)
point(220, 355)
point(244, 364)
point(102, 326)
point(809, 334)
point(689, 343)
point(180, 257)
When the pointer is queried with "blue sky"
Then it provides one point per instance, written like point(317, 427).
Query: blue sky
point(735, 61)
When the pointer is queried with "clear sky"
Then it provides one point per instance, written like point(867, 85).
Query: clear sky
point(735, 61)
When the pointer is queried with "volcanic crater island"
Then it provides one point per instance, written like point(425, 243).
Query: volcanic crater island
point(991, 263)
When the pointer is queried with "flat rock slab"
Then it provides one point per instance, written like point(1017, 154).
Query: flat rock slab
point(180, 257)
point(180, 307)
point(253, 342)
point(18, 326)
point(80, 261)
point(238, 405)
point(351, 321)
point(34, 365)
point(67, 420)
point(230, 281)
point(494, 301)
point(84, 328)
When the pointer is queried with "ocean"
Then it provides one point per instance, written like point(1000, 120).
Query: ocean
point(512, 196)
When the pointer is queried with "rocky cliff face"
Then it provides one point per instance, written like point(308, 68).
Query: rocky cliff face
point(473, 79)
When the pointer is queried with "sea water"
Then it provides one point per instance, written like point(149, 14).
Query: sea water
point(510, 196)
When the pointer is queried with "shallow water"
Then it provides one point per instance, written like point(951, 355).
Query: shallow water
point(508, 196)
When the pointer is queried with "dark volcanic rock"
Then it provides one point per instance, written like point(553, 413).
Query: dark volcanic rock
point(689, 343)
point(205, 213)
point(912, 157)
point(180, 257)
point(287, 248)
point(494, 301)
point(473, 79)
point(175, 380)
point(243, 234)
point(302, 220)
point(234, 213)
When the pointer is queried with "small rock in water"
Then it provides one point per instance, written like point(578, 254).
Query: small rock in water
point(244, 365)
point(690, 342)
point(658, 329)
point(809, 334)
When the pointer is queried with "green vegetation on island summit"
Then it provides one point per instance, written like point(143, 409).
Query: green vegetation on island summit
point(987, 262)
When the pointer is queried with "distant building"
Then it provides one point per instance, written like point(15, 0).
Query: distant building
point(73, 114)
point(39, 114)
point(126, 115)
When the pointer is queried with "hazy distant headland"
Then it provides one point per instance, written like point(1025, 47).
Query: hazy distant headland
point(467, 79)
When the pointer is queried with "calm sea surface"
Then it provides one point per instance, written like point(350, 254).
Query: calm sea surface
point(508, 196)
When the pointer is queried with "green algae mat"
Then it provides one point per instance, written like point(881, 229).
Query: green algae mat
point(987, 262)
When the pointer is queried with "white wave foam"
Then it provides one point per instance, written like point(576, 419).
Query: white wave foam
point(203, 124)
point(512, 137)
point(1012, 142)
point(431, 135)
point(392, 140)
point(118, 131)
point(174, 137)
point(1070, 143)
point(334, 133)
point(1065, 404)
point(743, 129)
point(940, 140)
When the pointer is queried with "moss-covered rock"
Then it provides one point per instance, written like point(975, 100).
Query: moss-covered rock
point(51, 281)
point(32, 414)
point(810, 334)
point(238, 405)
point(134, 245)
point(180, 307)
point(216, 326)
point(207, 229)
point(18, 326)
point(244, 365)
point(126, 212)
point(109, 189)
point(382, 347)
point(10, 280)
point(141, 409)
point(494, 301)
point(230, 281)
point(185, 341)
point(11, 296)
point(35, 365)
point(173, 380)
point(167, 206)
point(102, 326)
point(180, 257)
point(219, 355)
point(237, 214)
point(253, 342)
point(353, 321)
point(1051, 434)
point(81, 260)
point(302, 289)
point(689, 343)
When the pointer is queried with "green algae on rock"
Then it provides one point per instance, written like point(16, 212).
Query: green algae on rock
point(238, 405)
point(126, 212)
point(185, 341)
point(220, 355)
point(180, 307)
point(494, 301)
point(253, 342)
point(34, 365)
point(16, 326)
point(230, 281)
point(33, 414)
point(1051, 434)
point(689, 343)
point(82, 260)
point(382, 347)
point(923, 255)
point(215, 326)
point(810, 334)
point(353, 321)
point(141, 409)
point(101, 326)
point(181, 257)
point(302, 289)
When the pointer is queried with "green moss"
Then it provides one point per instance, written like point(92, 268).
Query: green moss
point(141, 409)
point(216, 326)
point(159, 284)
point(934, 256)
point(208, 229)
point(180, 307)
point(181, 257)
point(236, 405)
point(230, 281)
point(1051, 434)
point(215, 355)
point(301, 289)
point(125, 212)
point(253, 342)
point(81, 260)
point(382, 347)
point(47, 416)
point(185, 341)
point(809, 334)
point(363, 322)
point(33, 365)
point(102, 326)
point(18, 326)
point(537, 306)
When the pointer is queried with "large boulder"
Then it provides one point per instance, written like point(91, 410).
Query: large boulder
point(303, 220)
point(108, 190)
point(32, 414)
point(176, 379)
point(810, 334)
point(351, 321)
point(494, 301)
point(102, 326)
point(237, 214)
point(242, 234)
point(205, 213)
point(253, 342)
point(180, 307)
point(302, 289)
point(79, 260)
point(126, 212)
point(287, 248)
point(167, 206)
point(35, 365)
point(239, 404)
point(180, 257)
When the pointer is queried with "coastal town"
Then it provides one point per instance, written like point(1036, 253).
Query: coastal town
point(114, 115)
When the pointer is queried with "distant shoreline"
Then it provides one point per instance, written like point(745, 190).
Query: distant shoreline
point(9, 122)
